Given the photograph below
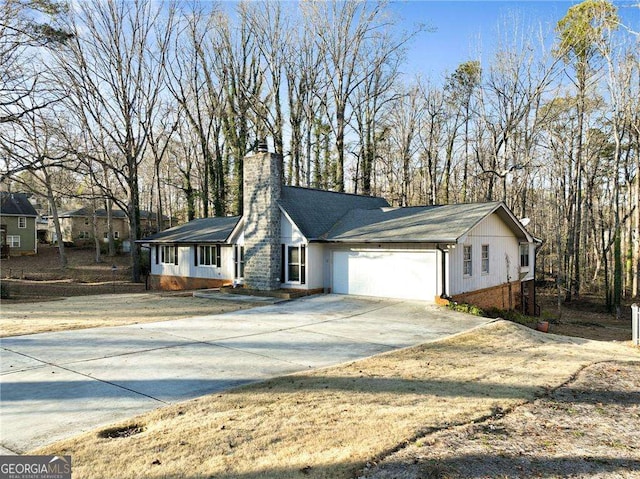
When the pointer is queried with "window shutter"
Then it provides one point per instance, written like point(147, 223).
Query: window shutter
point(303, 264)
point(157, 254)
point(218, 255)
point(195, 255)
point(283, 262)
point(235, 261)
point(175, 255)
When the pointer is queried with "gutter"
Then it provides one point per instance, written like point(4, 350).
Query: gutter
point(443, 265)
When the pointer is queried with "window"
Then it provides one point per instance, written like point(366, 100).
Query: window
point(485, 259)
point(84, 235)
point(467, 269)
point(238, 261)
point(116, 234)
point(86, 221)
point(22, 222)
point(209, 255)
point(169, 254)
point(13, 241)
point(296, 264)
point(524, 255)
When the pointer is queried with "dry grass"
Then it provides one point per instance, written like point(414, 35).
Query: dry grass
point(105, 310)
point(330, 422)
point(586, 428)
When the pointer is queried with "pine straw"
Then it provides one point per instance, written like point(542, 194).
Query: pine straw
point(331, 422)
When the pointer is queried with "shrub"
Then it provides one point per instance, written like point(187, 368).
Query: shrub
point(466, 308)
point(510, 315)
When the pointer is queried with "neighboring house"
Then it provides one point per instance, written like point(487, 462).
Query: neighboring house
point(300, 238)
point(77, 225)
point(17, 225)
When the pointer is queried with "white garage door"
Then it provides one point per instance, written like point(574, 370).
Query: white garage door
point(397, 274)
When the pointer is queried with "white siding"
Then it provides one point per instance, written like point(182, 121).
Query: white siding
point(186, 265)
point(502, 244)
point(289, 232)
point(315, 266)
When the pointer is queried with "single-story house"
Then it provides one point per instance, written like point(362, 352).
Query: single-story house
point(314, 240)
point(18, 232)
point(77, 225)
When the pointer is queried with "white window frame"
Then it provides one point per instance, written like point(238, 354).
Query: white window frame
point(11, 241)
point(168, 254)
point(300, 266)
point(467, 260)
point(485, 259)
point(524, 255)
point(22, 222)
point(209, 256)
point(238, 261)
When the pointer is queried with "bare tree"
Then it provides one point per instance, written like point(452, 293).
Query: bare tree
point(23, 29)
point(34, 147)
point(578, 31)
point(344, 32)
point(200, 96)
point(115, 67)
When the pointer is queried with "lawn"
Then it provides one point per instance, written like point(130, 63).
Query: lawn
point(340, 421)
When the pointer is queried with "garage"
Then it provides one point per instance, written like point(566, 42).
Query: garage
point(390, 274)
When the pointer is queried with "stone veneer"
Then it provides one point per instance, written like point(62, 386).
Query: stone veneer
point(262, 187)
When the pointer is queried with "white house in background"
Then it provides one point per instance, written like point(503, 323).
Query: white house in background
point(314, 240)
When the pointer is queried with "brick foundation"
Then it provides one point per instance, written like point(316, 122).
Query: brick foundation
point(495, 297)
point(178, 283)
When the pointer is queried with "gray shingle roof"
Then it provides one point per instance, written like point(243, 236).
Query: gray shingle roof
point(16, 204)
point(429, 224)
point(315, 211)
point(205, 230)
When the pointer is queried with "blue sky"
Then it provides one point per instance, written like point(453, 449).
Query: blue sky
point(466, 28)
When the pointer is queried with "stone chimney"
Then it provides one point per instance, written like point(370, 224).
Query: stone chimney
point(262, 186)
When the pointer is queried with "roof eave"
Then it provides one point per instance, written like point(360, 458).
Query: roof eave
point(387, 241)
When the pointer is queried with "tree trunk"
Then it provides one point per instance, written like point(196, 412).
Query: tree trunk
point(56, 223)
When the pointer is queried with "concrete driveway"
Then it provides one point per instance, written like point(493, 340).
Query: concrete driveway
point(56, 385)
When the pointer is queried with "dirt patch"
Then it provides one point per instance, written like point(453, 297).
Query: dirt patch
point(81, 266)
point(80, 312)
point(28, 291)
point(589, 427)
point(41, 278)
point(329, 423)
point(584, 318)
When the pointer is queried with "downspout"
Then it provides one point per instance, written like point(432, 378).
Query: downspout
point(443, 266)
